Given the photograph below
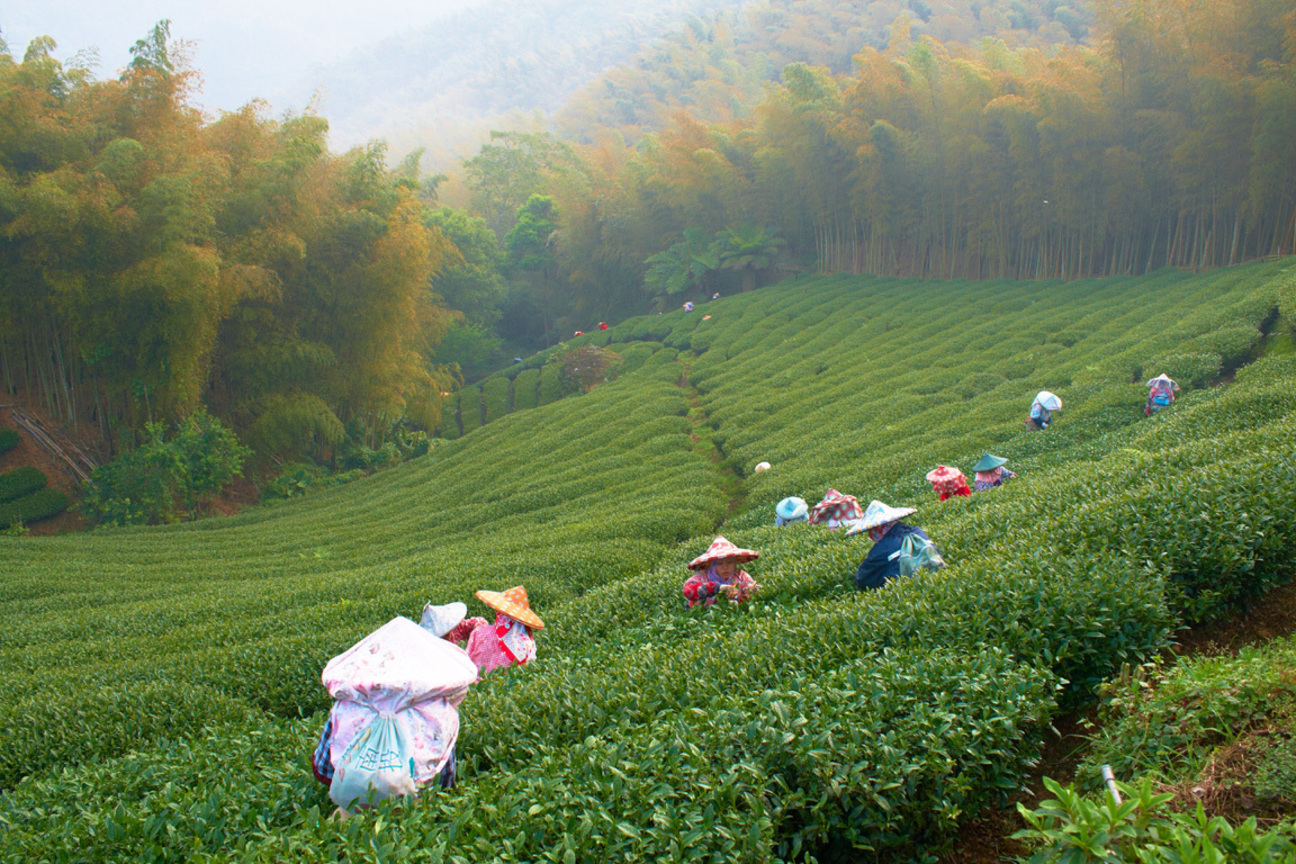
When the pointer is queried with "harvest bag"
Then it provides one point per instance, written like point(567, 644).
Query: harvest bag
point(394, 718)
point(917, 552)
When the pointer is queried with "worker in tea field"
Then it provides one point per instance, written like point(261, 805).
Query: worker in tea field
point(898, 549)
point(990, 472)
point(1161, 390)
point(835, 510)
point(948, 482)
point(1041, 411)
point(718, 573)
point(507, 642)
point(790, 510)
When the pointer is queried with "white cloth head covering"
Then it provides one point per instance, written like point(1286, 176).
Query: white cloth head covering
point(1049, 400)
point(876, 515)
point(440, 620)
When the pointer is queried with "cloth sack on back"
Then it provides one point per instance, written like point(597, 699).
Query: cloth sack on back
point(918, 552)
point(394, 719)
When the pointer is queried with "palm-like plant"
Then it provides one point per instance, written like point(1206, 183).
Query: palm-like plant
point(749, 249)
point(684, 265)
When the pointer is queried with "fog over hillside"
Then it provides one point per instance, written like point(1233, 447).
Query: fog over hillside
point(446, 85)
point(244, 49)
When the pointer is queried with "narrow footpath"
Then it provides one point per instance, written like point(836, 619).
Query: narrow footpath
point(703, 439)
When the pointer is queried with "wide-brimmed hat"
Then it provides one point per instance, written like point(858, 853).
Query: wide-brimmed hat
point(943, 474)
point(719, 551)
point(878, 514)
point(837, 506)
point(762, 466)
point(989, 463)
point(512, 603)
point(1050, 401)
point(791, 508)
point(440, 620)
point(1163, 380)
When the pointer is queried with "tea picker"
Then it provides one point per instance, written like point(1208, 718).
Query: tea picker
point(898, 549)
point(718, 573)
point(948, 482)
point(394, 721)
point(790, 510)
point(1161, 394)
point(835, 510)
point(990, 472)
point(507, 642)
point(1041, 411)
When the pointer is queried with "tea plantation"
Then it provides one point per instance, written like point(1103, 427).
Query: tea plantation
point(164, 687)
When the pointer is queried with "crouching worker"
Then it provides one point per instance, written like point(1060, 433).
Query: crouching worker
point(718, 573)
point(790, 510)
point(898, 549)
point(394, 721)
point(507, 642)
point(948, 482)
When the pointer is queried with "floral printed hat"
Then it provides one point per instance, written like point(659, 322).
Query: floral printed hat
point(878, 514)
point(1163, 381)
point(837, 506)
point(944, 475)
point(719, 551)
point(512, 603)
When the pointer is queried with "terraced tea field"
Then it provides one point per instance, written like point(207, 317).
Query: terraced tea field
point(165, 693)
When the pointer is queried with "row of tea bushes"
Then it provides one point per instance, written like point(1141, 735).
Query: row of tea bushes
point(561, 499)
point(812, 723)
point(25, 498)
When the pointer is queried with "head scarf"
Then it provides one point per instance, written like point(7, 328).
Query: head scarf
point(515, 638)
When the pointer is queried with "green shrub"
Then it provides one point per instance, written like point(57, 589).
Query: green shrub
point(553, 385)
point(526, 389)
point(470, 408)
point(1070, 829)
point(165, 478)
point(38, 505)
point(8, 440)
point(21, 481)
point(495, 397)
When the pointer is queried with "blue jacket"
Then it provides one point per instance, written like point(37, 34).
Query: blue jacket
point(883, 560)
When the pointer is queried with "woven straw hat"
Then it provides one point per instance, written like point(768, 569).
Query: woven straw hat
point(440, 620)
point(878, 514)
point(719, 551)
point(512, 603)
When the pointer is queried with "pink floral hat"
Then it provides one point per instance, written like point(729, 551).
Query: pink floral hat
point(719, 551)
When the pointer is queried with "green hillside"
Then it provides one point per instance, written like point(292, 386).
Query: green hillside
point(167, 678)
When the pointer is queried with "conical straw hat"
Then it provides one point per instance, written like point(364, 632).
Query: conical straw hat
point(512, 603)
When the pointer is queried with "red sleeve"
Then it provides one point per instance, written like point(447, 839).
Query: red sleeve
point(464, 629)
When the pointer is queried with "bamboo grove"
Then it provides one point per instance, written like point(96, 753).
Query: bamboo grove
point(1170, 141)
point(151, 260)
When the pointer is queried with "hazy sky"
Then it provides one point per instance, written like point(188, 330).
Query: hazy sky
point(244, 48)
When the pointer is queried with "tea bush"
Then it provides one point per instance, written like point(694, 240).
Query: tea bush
point(813, 722)
point(21, 481)
point(8, 440)
point(495, 398)
point(33, 507)
point(470, 409)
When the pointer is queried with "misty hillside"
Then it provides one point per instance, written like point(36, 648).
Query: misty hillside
point(446, 86)
point(598, 65)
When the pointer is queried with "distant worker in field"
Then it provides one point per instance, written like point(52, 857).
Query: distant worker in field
point(898, 549)
point(1161, 394)
point(835, 510)
point(948, 482)
point(1041, 411)
point(790, 510)
point(990, 472)
point(507, 642)
point(718, 574)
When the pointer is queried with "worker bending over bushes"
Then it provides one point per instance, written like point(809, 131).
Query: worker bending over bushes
point(898, 549)
point(718, 574)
